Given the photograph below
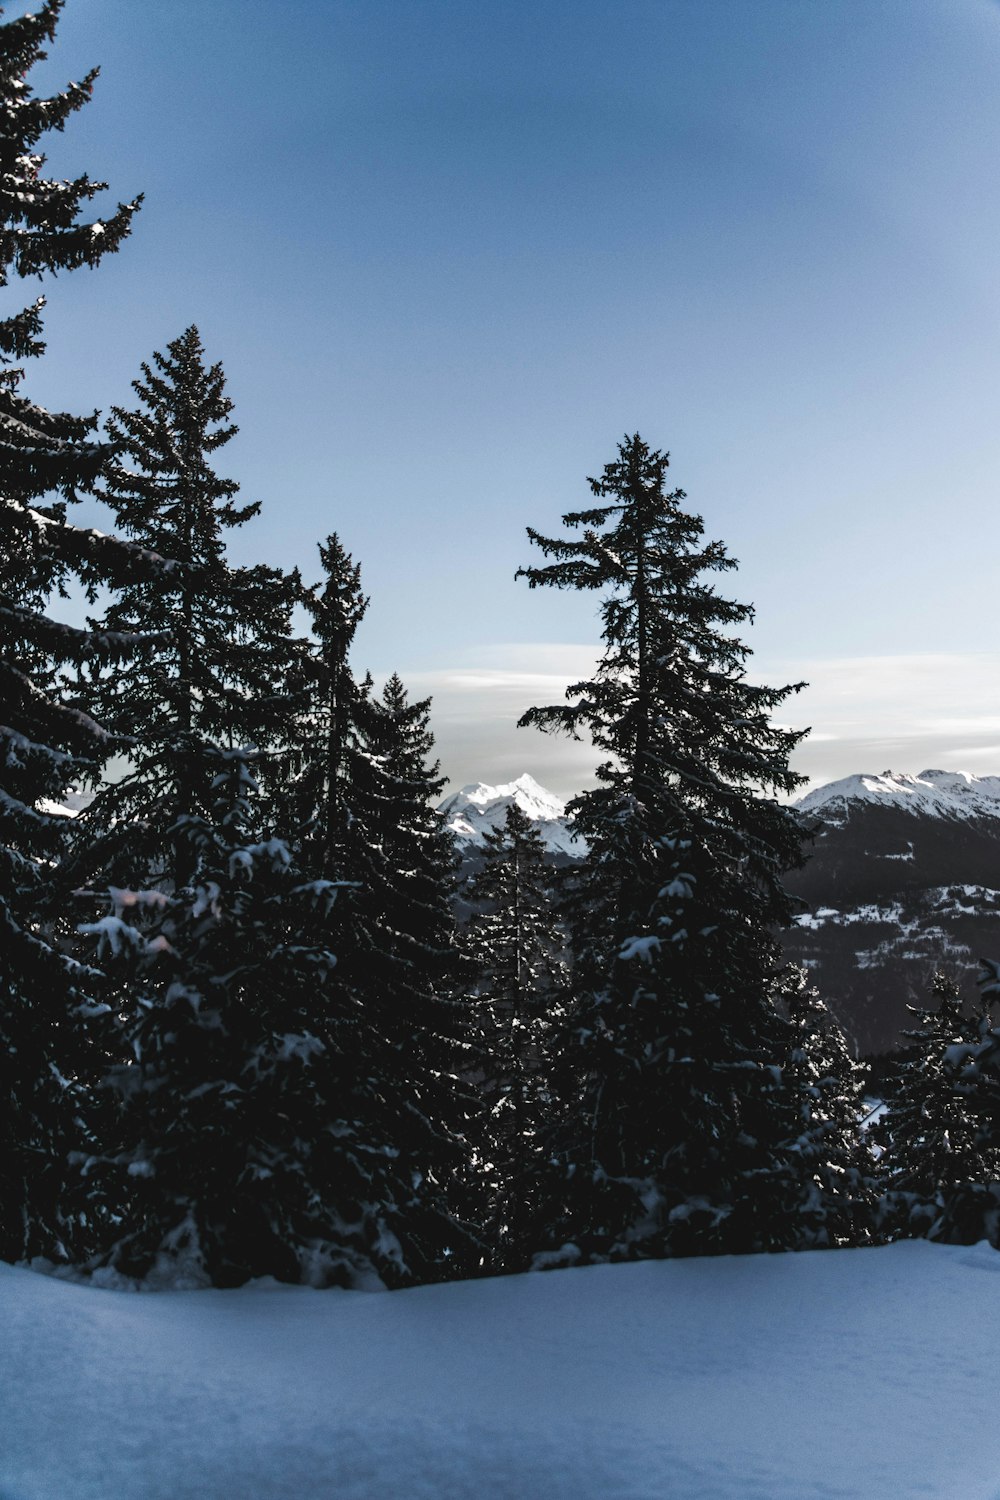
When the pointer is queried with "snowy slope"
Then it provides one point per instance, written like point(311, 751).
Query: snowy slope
point(478, 809)
point(944, 794)
point(837, 1375)
point(71, 806)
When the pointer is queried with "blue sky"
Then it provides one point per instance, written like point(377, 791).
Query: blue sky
point(450, 252)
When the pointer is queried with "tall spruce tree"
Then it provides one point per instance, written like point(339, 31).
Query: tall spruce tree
point(45, 459)
point(324, 733)
point(218, 676)
point(402, 958)
point(515, 943)
point(673, 1044)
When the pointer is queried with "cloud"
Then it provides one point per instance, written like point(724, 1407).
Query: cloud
point(478, 701)
point(867, 713)
point(904, 712)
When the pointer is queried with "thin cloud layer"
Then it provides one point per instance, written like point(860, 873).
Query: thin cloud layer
point(867, 713)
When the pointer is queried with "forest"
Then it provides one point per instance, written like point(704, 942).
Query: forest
point(242, 1031)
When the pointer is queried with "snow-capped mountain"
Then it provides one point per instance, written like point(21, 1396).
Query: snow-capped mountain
point(903, 879)
point(939, 794)
point(477, 809)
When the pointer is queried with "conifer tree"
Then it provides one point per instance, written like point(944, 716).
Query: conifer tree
point(267, 1124)
point(233, 1159)
point(514, 941)
point(941, 1133)
point(403, 960)
point(218, 676)
point(930, 1138)
point(45, 742)
point(673, 1044)
point(324, 733)
point(823, 1193)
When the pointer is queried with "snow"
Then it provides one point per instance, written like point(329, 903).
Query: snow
point(946, 794)
point(833, 1375)
point(478, 809)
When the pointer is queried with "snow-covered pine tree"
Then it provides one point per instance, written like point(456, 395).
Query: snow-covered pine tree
point(403, 960)
point(673, 1043)
point(823, 1193)
point(323, 735)
point(930, 1136)
point(514, 940)
point(45, 743)
point(242, 1132)
point(219, 675)
point(942, 1130)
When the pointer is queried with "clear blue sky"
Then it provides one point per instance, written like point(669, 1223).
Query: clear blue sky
point(450, 252)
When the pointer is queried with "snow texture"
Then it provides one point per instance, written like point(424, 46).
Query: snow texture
point(479, 809)
point(831, 1375)
point(943, 794)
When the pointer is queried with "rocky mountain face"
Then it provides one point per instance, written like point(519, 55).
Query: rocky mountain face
point(902, 880)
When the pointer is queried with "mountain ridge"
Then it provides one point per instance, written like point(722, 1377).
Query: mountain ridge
point(478, 808)
point(934, 793)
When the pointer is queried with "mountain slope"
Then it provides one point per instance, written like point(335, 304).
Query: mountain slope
point(903, 879)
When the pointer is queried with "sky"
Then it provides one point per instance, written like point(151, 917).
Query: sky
point(449, 253)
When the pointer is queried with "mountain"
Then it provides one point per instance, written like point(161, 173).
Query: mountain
point(934, 794)
point(477, 809)
point(902, 880)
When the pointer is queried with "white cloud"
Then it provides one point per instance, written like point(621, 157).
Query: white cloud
point(867, 713)
point(478, 701)
point(906, 712)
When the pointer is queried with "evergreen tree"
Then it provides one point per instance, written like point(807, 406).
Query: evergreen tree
point(238, 1151)
point(218, 675)
point(268, 1125)
point(943, 1125)
point(45, 743)
point(324, 734)
point(673, 1044)
point(402, 958)
point(931, 1140)
point(825, 1184)
point(514, 941)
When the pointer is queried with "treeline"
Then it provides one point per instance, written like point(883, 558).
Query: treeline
point(240, 1031)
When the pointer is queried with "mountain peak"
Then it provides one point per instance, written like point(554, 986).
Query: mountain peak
point(479, 808)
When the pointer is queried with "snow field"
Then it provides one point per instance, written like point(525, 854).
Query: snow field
point(821, 1376)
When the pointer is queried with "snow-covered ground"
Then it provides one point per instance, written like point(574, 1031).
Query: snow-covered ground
point(854, 1373)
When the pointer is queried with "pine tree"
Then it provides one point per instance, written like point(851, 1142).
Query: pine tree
point(268, 1125)
point(929, 1136)
point(239, 1152)
point(324, 733)
point(942, 1130)
point(673, 1045)
point(402, 959)
point(218, 675)
point(45, 459)
point(824, 1191)
point(514, 941)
